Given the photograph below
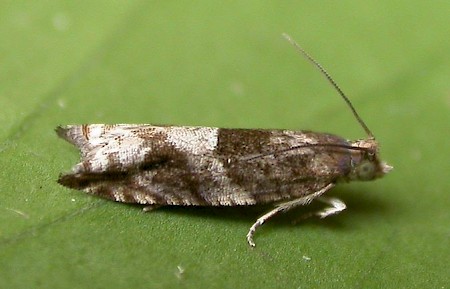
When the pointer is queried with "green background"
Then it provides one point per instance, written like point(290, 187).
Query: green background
point(210, 64)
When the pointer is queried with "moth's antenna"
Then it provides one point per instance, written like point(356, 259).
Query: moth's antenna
point(330, 79)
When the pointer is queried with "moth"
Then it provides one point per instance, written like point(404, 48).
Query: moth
point(208, 166)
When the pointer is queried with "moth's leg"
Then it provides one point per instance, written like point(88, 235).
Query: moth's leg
point(336, 206)
point(283, 207)
point(149, 208)
point(261, 221)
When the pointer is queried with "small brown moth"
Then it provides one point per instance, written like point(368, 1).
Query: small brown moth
point(207, 166)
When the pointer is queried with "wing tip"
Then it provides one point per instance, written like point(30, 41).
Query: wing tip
point(71, 134)
point(61, 131)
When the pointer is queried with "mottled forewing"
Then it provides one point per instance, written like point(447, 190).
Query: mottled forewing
point(200, 165)
point(275, 164)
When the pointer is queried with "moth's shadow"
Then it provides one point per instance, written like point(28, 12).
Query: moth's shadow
point(358, 206)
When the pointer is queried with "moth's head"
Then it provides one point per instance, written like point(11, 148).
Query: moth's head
point(366, 164)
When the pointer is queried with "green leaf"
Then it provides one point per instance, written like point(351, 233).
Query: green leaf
point(224, 64)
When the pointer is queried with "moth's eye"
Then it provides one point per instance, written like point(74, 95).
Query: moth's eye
point(366, 171)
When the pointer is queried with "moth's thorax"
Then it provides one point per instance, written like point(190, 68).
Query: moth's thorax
point(365, 161)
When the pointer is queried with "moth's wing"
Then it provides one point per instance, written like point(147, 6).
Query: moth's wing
point(112, 148)
point(149, 164)
point(272, 165)
point(202, 166)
